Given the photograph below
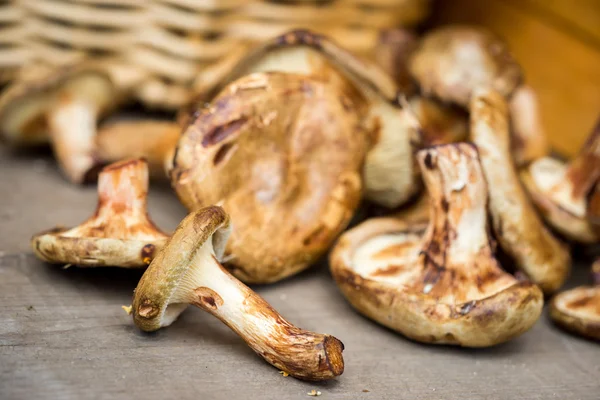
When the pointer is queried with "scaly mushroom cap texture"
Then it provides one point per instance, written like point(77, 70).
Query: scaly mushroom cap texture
point(152, 140)
point(565, 193)
point(451, 62)
point(517, 226)
point(437, 282)
point(282, 154)
point(390, 176)
point(120, 233)
point(187, 271)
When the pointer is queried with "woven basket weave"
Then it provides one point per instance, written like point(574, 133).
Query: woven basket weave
point(173, 42)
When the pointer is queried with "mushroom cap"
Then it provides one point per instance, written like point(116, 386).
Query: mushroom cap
point(24, 104)
point(120, 233)
point(437, 282)
point(554, 194)
point(578, 310)
point(282, 154)
point(389, 174)
point(153, 140)
point(450, 62)
point(167, 272)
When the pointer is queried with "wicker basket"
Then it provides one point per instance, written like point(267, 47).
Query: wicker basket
point(173, 42)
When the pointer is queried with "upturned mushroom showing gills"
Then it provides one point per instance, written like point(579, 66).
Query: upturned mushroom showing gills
point(452, 61)
point(389, 173)
point(437, 282)
point(152, 140)
point(187, 271)
point(564, 193)
point(120, 233)
point(578, 310)
point(518, 228)
point(282, 154)
point(61, 108)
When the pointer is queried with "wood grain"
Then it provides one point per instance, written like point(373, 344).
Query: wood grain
point(558, 44)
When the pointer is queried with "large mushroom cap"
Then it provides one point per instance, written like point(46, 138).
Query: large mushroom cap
point(24, 105)
point(564, 193)
point(154, 305)
point(437, 283)
point(389, 172)
point(120, 233)
point(450, 62)
point(282, 154)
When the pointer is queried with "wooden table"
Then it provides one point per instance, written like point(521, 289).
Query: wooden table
point(63, 333)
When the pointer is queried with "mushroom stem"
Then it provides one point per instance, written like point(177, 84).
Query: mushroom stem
point(123, 188)
point(303, 354)
point(458, 204)
point(72, 128)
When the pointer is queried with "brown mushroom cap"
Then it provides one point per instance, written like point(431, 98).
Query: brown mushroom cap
point(437, 282)
point(187, 271)
point(120, 233)
point(153, 140)
point(389, 173)
point(452, 61)
point(62, 108)
point(518, 228)
point(565, 193)
point(282, 154)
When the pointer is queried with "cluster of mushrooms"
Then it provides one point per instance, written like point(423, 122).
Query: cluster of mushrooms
point(273, 162)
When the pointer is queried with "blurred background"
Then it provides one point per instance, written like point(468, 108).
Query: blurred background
point(175, 47)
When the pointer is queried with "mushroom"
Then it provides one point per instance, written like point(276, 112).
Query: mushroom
point(62, 107)
point(187, 271)
point(437, 282)
point(527, 131)
point(389, 171)
point(451, 62)
point(439, 123)
point(416, 212)
point(392, 54)
point(153, 140)
point(565, 193)
point(120, 233)
point(518, 228)
point(282, 154)
point(578, 310)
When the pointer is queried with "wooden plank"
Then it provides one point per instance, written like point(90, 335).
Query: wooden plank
point(564, 70)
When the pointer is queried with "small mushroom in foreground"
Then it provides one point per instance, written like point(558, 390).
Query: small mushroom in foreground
point(282, 154)
point(155, 141)
point(563, 192)
point(120, 233)
point(518, 228)
point(187, 271)
point(437, 282)
point(578, 310)
point(389, 172)
point(451, 62)
point(62, 108)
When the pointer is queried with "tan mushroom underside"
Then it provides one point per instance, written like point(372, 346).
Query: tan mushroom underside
point(578, 310)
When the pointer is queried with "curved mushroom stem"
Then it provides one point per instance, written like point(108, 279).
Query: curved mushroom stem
point(529, 137)
point(72, 128)
point(458, 228)
point(302, 354)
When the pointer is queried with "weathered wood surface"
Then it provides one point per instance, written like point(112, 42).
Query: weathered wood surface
point(63, 334)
